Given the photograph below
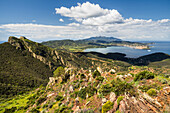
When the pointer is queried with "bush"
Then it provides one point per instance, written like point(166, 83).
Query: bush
point(91, 90)
point(120, 98)
point(145, 88)
point(105, 89)
point(107, 106)
point(96, 74)
point(34, 110)
point(59, 71)
point(82, 93)
point(120, 87)
point(11, 110)
point(152, 92)
point(82, 76)
point(58, 97)
point(100, 78)
point(144, 75)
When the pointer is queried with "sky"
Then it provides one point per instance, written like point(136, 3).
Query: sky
point(42, 20)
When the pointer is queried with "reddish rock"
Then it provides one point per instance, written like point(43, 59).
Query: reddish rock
point(122, 107)
point(115, 106)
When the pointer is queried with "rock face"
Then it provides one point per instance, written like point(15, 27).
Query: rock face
point(52, 58)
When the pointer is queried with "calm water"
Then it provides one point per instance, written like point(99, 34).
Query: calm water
point(133, 53)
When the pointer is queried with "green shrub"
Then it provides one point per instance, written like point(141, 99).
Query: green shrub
point(105, 89)
point(120, 87)
point(152, 92)
point(120, 98)
point(100, 78)
point(145, 88)
point(107, 106)
point(144, 75)
point(91, 90)
point(10, 110)
point(58, 98)
point(82, 93)
point(117, 111)
point(59, 71)
point(34, 110)
point(96, 74)
point(82, 76)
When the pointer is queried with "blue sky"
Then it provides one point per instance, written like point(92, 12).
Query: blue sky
point(42, 21)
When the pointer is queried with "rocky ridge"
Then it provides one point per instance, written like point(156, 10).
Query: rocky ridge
point(71, 99)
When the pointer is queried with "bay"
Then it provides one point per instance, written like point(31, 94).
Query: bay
point(134, 53)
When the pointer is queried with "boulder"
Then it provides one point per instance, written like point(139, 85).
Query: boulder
point(112, 71)
point(104, 100)
point(112, 96)
point(71, 89)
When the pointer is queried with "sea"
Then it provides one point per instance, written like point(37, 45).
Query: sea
point(158, 46)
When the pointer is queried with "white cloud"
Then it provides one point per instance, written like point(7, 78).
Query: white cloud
point(61, 20)
point(133, 30)
point(91, 20)
point(91, 14)
point(74, 24)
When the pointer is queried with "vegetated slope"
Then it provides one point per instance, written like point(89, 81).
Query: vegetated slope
point(19, 71)
point(92, 42)
point(54, 58)
point(99, 91)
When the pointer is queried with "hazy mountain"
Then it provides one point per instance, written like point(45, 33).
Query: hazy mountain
point(103, 39)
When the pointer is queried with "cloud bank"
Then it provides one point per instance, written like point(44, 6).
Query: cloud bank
point(91, 20)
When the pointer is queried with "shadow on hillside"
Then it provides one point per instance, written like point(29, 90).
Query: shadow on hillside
point(140, 61)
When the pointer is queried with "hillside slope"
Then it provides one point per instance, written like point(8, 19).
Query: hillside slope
point(19, 71)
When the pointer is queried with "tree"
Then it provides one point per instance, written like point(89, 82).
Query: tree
point(59, 71)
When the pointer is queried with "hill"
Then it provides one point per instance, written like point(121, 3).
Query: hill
point(93, 42)
point(26, 64)
point(19, 71)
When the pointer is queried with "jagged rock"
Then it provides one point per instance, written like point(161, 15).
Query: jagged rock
point(122, 106)
point(77, 100)
point(115, 106)
point(87, 103)
point(121, 77)
point(72, 77)
point(98, 86)
point(49, 95)
point(51, 81)
point(112, 70)
point(104, 100)
point(76, 109)
point(90, 79)
point(112, 96)
point(71, 89)
point(87, 96)
point(99, 69)
point(68, 98)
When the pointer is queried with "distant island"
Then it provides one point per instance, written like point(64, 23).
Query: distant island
point(93, 42)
